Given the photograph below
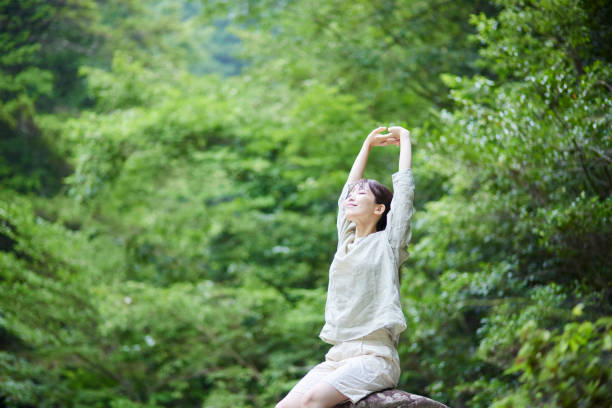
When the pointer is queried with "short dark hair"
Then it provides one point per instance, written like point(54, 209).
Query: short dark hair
point(382, 195)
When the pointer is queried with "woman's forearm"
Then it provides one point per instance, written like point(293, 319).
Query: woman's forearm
point(405, 159)
point(360, 163)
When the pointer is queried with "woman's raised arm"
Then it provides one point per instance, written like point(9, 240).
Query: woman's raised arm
point(373, 139)
point(405, 160)
point(398, 219)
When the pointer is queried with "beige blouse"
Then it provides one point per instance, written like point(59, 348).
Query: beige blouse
point(363, 290)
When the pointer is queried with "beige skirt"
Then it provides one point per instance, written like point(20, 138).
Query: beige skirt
point(357, 367)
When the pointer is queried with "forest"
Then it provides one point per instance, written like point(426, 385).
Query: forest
point(169, 180)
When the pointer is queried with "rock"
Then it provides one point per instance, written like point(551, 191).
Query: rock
point(393, 399)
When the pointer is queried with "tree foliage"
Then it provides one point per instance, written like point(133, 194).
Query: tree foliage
point(168, 197)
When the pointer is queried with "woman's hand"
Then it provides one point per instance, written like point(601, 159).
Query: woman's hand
point(375, 138)
point(399, 133)
point(398, 136)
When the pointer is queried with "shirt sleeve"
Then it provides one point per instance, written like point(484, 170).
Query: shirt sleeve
point(344, 226)
point(399, 216)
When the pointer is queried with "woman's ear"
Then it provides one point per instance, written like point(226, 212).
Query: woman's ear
point(380, 209)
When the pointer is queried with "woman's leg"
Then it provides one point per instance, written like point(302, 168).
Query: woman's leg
point(309, 381)
point(291, 400)
point(322, 395)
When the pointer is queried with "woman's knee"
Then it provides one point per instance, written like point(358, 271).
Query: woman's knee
point(292, 400)
point(286, 404)
point(317, 398)
point(310, 400)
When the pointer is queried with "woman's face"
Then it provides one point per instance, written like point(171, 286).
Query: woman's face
point(361, 204)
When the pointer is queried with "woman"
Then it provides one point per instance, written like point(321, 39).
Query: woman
point(363, 314)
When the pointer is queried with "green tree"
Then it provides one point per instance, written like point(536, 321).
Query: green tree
point(181, 256)
point(527, 214)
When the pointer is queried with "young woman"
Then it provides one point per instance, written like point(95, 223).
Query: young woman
point(363, 313)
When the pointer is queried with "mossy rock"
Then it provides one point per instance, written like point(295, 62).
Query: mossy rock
point(393, 399)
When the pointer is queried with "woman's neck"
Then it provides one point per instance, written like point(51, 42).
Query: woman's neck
point(364, 229)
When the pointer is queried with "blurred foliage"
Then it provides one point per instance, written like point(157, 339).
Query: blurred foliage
point(170, 173)
point(389, 53)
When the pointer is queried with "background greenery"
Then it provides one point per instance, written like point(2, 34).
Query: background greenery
point(169, 175)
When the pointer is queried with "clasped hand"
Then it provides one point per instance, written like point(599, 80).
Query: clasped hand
point(394, 137)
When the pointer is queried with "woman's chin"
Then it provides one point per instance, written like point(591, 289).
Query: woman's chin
point(351, 217)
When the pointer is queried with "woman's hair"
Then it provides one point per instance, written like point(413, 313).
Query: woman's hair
point(382, 195)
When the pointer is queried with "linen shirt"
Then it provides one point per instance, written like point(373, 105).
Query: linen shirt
point(363, 290)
